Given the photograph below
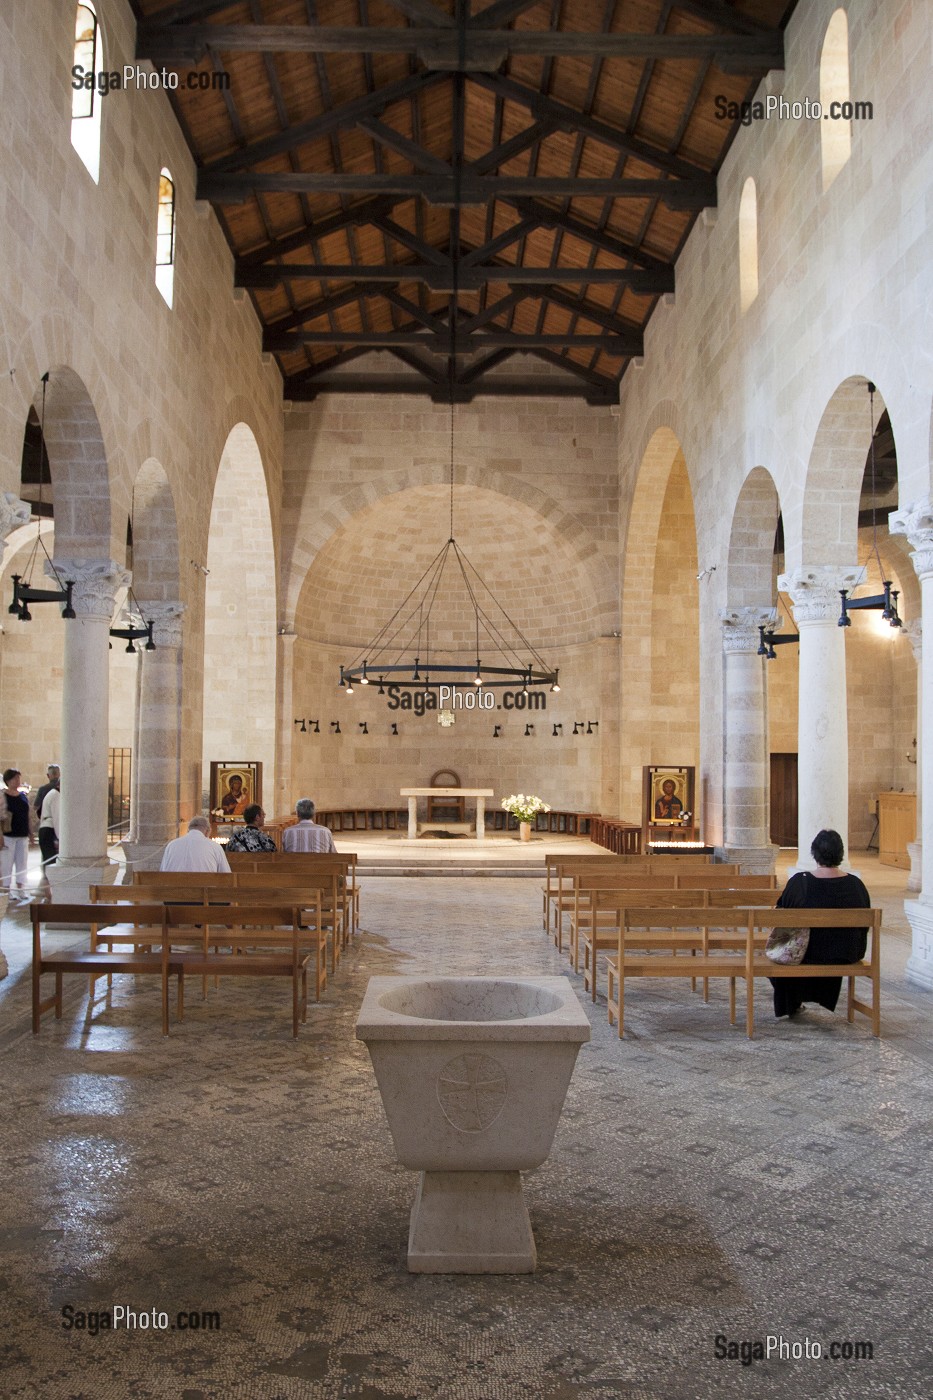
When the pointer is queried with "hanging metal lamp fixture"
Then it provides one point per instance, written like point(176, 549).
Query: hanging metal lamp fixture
point(886, 601)
point(23, 591)
point(406, 651)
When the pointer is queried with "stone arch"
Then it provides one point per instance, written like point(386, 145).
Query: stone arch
point(829, 524)
point(750, 566)
point(573, 533)
point(239, 612)
point(660, 662)
point(78, 467)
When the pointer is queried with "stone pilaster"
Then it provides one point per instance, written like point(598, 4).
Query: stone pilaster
point(914, 632)
point(823, 732)
point(157, 757)
point(85, 727)
point(916, 522)
point(280, 802)
point(746, 803)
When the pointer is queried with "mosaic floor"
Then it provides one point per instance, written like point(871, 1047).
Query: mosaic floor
point(700, 1187)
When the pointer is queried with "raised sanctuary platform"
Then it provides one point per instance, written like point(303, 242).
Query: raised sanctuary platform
point(500, 854)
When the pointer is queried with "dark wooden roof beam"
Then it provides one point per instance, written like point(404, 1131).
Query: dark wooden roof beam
point(394, 141)
point(357, 215)
point(622, 346)
point(693, 193)
point(445, 279)
point(346, 114)
point(548, 217)
point(570, 120)
point(178, 45)
point(324, 306)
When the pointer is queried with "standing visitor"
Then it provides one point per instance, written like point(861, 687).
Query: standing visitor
point(15, 848)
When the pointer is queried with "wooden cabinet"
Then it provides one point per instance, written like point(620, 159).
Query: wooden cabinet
point(897, 824)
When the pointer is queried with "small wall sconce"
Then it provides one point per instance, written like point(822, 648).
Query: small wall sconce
point(497, 731)
point(364, 727)
point(912, 757)
point(335, 725)
point(578, 726)
point(591, 724)
point(304, 727)
point(315, 725)
point(395, 730)
point(558, 729)
point(529, 730)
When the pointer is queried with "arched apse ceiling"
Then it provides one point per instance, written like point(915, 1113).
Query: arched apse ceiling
point(370, 563)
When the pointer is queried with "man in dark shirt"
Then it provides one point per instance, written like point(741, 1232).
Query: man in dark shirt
point(54, 781)
point(249, 838)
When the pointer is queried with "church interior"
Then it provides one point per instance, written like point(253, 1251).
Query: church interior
point(624, 595)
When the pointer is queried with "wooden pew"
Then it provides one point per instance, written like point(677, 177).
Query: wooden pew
point(96, 963)
point(602, 935)
point(761, 922)
point(275, 929)
point(732, 945)
point(560, 866)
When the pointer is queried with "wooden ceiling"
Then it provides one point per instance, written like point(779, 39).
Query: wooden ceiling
point(493, 195)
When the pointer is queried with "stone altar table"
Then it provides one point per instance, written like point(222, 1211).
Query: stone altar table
point(414, 793)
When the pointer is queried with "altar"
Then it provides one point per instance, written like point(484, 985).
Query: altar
point(414, 793)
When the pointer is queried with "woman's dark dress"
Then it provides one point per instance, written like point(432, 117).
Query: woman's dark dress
point(827, 945)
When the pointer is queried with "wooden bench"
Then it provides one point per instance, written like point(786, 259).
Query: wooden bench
point(758, 888)
point(558, 869)
point(275, 929)
point(601, 934)
point(94, 963)
point(731, 944)
point(210, 901)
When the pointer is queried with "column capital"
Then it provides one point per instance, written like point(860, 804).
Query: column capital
point(740, 627)
point(916, 522)
point(814, 589)
point(96, 584)
point(167, 620)
point(14, 513)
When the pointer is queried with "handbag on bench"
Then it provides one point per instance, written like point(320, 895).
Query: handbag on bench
point(787, 945)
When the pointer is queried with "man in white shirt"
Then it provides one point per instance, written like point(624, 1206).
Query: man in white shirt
point(196, 851)
point(307, 835)
point(50, 822)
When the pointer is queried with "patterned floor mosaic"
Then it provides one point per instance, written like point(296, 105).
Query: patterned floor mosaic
point(701, 1187)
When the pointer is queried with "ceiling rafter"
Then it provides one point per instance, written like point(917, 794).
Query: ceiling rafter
point(363, 166)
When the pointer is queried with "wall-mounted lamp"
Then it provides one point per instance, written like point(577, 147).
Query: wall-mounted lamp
point(364, 727)
point(335, 725)
point(558, 729)
point(578, 726)
point(497, 731)
point(591, 724)
point(529, 730)
point(304, 727)
point(395, 730)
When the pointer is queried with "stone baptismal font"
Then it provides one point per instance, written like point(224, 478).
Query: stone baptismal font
point(473, 1072)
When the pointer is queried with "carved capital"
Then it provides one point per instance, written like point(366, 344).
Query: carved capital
point(96, 584)
point(166, 617)
point(740, 628)
point(814, 590)
point(14, 513)
point(916, 522)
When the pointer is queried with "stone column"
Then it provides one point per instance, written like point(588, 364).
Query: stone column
point(157, 757)
point(914, 630)
point(823, 730)
point(85, 734)
point(14, 513)
point(280, 803)
point(746, 777)
point(916, 522)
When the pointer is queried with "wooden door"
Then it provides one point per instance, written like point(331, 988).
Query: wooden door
point(784, 799)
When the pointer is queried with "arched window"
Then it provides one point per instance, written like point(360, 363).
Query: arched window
point(86, 101)
point(835, 132)
point(165, 236)
point(748, 244)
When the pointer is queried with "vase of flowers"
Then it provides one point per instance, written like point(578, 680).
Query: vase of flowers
point(524, 809)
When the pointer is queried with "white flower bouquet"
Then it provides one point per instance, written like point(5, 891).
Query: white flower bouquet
point(522, 808)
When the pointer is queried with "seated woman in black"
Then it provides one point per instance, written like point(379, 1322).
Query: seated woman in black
point(826, 887)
